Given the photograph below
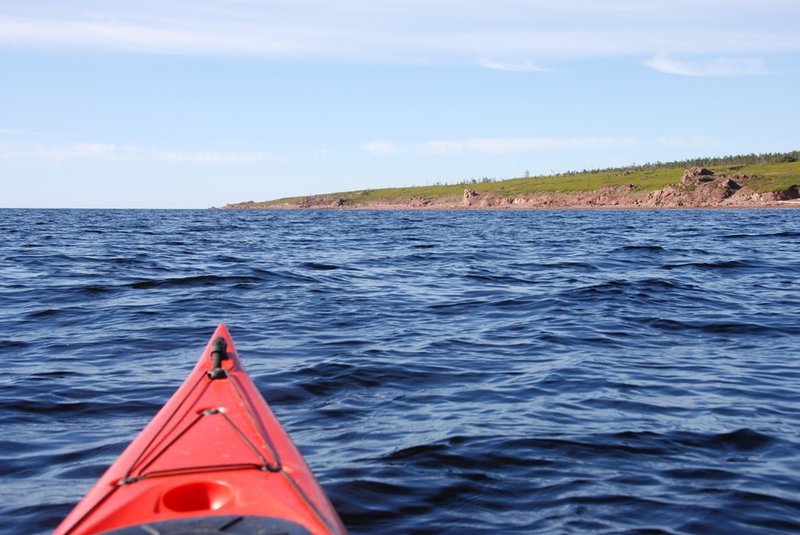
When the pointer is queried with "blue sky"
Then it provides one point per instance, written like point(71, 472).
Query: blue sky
point(191, 104)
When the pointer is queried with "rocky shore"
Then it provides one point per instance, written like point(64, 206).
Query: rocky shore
point(699, 187)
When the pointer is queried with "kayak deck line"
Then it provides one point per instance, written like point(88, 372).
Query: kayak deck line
point(154, 455)
point(192, 461)
point(265, 466)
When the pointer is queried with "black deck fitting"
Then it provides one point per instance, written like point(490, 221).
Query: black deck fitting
point(219, 352)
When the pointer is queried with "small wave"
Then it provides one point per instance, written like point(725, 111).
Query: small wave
point(197, 280)
point(70, 407)
point(762, 235)
point(316, 266)
point(282, 276)
point(8, 344)
point(698, 474)
point(646, 248)
point(499, 279)
point(94, 289)
point(719, 327)
point(227, 259)
point(718, 265)
point(126, 261)
point(745, 440)
point(44, 313)
point(326, 379)
point(54, 374)
point(655, 287)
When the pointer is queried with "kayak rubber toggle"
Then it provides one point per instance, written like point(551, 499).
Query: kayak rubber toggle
point(219, 352)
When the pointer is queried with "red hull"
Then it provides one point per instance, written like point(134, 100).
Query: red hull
point(214, 451)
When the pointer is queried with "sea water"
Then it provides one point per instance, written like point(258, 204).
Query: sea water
point(442, 372)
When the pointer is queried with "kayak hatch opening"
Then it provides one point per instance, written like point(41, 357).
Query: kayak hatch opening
point(212, 411)
point(198, 496)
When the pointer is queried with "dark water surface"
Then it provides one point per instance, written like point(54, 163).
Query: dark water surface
point(442, 372)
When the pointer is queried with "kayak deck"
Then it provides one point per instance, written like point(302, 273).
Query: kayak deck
point(214, 459)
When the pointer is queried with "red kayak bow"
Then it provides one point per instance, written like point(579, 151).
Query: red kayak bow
point(213, 460)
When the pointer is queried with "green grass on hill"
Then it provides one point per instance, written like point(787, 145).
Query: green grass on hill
point(773, 176)
point(769, 172)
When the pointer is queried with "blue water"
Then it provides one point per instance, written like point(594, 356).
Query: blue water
point(442, 372)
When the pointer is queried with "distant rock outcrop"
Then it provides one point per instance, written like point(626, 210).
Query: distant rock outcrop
point(695, 175)
point(701, 187)
point(469, 196)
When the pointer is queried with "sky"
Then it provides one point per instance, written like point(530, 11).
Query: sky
point(199, 103)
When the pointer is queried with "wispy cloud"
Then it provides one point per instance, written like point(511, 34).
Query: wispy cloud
point(212, 157)
point(511, 66)
point(711, 67)
point(19, 132)
point(381, 147)
point(60, 153)
point(98, 152)
point(146, 36)
point(412, 30)
point(683, 142)
point(497, 145)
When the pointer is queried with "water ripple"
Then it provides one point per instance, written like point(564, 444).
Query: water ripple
point(442, 372)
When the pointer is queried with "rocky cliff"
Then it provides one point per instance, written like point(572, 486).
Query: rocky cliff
point(698, 187)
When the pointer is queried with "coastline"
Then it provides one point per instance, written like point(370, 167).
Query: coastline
point(779, 205)
point(698, 188)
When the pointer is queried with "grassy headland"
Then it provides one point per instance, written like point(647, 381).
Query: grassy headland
point(774, 173)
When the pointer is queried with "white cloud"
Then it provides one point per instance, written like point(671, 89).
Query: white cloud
point(498, 145)
point(684, 142)
point(381, 147)
point(18, 132)
point(212, 157)
point(412, 31)
point(711, 67)
point(518, 66)
point(61, 153)
point(110, 152)
point(147, 36)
